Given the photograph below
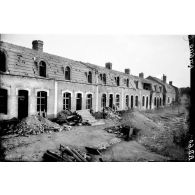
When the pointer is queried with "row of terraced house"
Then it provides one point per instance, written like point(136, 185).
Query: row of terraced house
point(35, 82)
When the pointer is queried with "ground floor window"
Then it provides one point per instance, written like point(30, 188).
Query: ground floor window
point(103, 101)
point(136, 101)
point(3, 101)
point(89, 101)
point(160, 102)
point(147, 102)
point(132, 101)
point(155, 101)
point(117, 101)
point(42, 103)
point(79, 101)
point(67, 101)
point(127, 101)
point(111, 101)
point(143, 101)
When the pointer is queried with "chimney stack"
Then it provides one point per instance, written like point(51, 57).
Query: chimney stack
point(164, 78)
point(108, 65)
point(127, 71)
point(170, 82)
point(141, 75)
point(37, 45)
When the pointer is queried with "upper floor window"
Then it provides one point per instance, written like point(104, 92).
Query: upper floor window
point(127, 82)
point(155, 87)
point(90, 77)
point(117, 79)
point(146, 86)
point(67, 73)
point(2, 62)
point(104, 78)
point(42, 69)
point(160, 89)
point(136, 84)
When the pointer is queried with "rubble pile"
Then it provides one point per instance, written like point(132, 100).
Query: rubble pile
point(111, 114)
point(36, 125)
point(66, 117)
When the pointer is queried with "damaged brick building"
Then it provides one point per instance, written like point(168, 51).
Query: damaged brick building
point(35, 82)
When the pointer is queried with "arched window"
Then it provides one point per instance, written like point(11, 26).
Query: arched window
point(79, 101)
point(136, 100)
point(3, 101)
point(67, 73)
point(90, 77)
point(117, 100)
point(42, 103)
point(67, 101)
point(143, 100)
point(147, 102)
point(2, 62)
point(103, 101)
point(42, 69)
point(127, 101)
point(155, 101)
point(89, 101)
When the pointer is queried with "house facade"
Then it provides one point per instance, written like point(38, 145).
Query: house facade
point(35, 82)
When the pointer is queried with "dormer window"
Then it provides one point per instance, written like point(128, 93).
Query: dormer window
point(136, 84)
point(67, 73)
point(104, 78)
point(2, 62)
point(42, 69)
point(117, 79)
point(89, 77)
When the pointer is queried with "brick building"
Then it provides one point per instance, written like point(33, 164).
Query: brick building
point(35, 82)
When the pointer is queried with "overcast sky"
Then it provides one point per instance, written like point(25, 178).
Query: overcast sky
point(151, 54)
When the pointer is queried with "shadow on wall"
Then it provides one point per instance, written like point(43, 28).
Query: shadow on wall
point(2, 151)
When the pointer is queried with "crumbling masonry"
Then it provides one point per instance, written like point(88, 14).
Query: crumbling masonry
point(35, 82)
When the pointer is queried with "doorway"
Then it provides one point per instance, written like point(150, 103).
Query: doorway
point(22, 104)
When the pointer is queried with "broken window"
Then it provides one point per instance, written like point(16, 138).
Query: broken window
point(2, 62)
point(42, 69)
point(136, 101)
point(3, 101)
point(42, 103)
point(79, 101)
point(67, 73)
point(143, 100)
point(127, 101)
point(136, 84)
point(89, 101)
point(67, 101)
point(127, 82)
point(103, 101)
point(117, 101)
point(90, 77)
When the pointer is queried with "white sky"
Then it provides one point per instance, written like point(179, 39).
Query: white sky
point(154, 55)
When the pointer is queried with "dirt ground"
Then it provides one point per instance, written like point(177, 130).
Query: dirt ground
point(143, 148)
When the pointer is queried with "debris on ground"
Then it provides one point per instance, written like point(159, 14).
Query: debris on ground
point(67, 154)
point(121, 131)
point(111, 113)
point(35, 124)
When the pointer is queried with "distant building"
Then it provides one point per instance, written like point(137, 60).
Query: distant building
point(35, 82)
